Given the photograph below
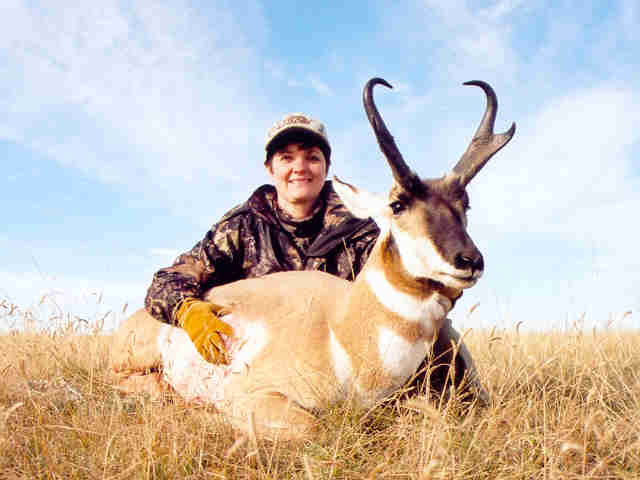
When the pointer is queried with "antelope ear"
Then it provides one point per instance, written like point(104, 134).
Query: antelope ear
point(360, 202)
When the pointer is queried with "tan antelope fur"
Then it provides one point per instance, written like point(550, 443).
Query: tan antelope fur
point(303, 340)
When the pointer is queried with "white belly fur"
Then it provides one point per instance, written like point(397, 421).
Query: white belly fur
point(197, 380)
point(342, 366)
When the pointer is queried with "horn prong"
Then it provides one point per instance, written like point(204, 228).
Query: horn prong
point(485, 143)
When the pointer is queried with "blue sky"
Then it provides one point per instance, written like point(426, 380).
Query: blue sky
point(128, 128)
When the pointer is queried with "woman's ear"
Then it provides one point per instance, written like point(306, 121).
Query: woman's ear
point(268, 167)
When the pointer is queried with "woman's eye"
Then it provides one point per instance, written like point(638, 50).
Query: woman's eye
point(397, 207)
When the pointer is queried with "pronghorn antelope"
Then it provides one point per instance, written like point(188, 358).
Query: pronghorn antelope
point(305, 339)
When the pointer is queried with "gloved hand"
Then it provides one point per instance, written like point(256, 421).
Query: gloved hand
point(199, 320)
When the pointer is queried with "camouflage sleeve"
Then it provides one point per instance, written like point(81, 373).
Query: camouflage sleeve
point(215, 260)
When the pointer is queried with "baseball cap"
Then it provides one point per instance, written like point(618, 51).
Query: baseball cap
point(294, 126)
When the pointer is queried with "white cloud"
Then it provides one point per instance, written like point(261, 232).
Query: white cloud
point(502, 8)
point(476, 36)
point(145, 93)
point(319, 86)
point(274, 69)
point(572, 156)
point(629, 17)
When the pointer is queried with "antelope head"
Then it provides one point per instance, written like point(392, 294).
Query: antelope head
point(423, 221)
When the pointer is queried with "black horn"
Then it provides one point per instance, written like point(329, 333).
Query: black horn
point(401, 171)
point(484, 143)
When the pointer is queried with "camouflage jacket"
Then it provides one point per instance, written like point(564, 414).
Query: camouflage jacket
point(257, 238)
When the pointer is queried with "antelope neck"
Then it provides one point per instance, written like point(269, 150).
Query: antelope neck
point(406, 283)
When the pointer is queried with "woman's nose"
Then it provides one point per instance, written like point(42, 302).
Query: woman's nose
point(300, 164)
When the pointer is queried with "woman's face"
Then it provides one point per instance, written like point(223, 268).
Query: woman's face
point(298, 174)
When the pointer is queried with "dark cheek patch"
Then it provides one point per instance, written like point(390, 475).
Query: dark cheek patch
point(439, 220)
point(441, 232)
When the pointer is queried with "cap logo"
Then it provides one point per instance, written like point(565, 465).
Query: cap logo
point(291, 120)
point(298, 121)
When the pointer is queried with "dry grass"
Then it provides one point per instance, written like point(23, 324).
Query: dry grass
point(564, 405)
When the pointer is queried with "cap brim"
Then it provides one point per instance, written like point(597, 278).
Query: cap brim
point(288, 135)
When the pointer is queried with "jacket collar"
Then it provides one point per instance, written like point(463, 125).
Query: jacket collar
point(264, 203)
point(339, 224)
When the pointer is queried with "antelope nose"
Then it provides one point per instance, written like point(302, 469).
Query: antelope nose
point(472, 262)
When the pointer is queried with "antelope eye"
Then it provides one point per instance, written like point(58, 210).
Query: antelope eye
point(397, 207)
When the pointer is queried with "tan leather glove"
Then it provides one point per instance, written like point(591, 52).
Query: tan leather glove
point(199, 320)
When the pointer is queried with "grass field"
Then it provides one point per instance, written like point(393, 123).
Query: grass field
point(563, 405)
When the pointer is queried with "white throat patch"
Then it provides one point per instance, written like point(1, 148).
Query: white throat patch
point(429, 312)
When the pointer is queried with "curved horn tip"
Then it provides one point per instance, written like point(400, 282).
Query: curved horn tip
point(378, 81)
point(477, 83)
point(488, 89)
